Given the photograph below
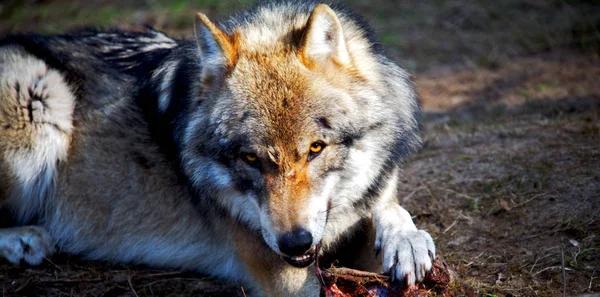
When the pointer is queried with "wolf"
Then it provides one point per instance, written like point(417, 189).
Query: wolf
point(270, 139)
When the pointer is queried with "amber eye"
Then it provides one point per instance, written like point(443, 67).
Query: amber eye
point(316, 147)
point(250, 157)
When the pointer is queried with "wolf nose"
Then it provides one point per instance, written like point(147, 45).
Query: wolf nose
point(295, 243)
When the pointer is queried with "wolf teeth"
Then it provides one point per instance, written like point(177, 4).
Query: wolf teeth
point(300, 258)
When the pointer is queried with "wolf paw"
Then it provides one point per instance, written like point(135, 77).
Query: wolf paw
point(406, 254)
point(31, 244)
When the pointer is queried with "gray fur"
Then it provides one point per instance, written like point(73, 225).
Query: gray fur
point(136, 147)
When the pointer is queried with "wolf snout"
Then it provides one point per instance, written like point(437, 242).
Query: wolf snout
point(295, 243)
point(297, 246)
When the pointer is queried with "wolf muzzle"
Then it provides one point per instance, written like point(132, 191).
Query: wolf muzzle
point(297, 246)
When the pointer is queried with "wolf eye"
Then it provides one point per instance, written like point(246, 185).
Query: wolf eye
point(250, 157)
point(315, 149)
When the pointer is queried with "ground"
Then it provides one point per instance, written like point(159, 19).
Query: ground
point(508, 181)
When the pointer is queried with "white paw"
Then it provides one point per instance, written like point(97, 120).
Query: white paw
point(31, 244)
point(405, 253)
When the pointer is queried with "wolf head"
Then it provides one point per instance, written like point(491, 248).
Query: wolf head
point(299, 119)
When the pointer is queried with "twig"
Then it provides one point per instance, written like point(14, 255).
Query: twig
point(367, 290)
point(564, 274)
point(49, 261)
point(318, 270)
point(131, 287)
point(450, 227)
point(243, 292)
point(23, 285)
point(545, 255)
point(458, 193)
point(161, 274)
point(591, 280)
point(343, 271)
point(430, 193)
point(83, 280)
point(472, 262)
point(407, 197)
point(172, 279)
point(534, 263)
point(548, 268)
point(525, 202)
point(543, 233)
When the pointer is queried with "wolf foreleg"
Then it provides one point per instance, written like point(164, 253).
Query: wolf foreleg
point(405, 248)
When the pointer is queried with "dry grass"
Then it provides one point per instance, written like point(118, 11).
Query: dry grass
point(508, 182)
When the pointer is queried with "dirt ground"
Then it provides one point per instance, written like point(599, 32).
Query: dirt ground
point(508, 181)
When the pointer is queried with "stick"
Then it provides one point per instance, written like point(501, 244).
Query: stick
point(132, 289)
point(450, 227)
point(564, 273)
point(412, 193)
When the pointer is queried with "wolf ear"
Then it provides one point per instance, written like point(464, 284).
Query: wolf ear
point(323, 39)
point(215, 46)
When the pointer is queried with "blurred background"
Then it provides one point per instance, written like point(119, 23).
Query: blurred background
point(420, 34)
point(508, 181)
